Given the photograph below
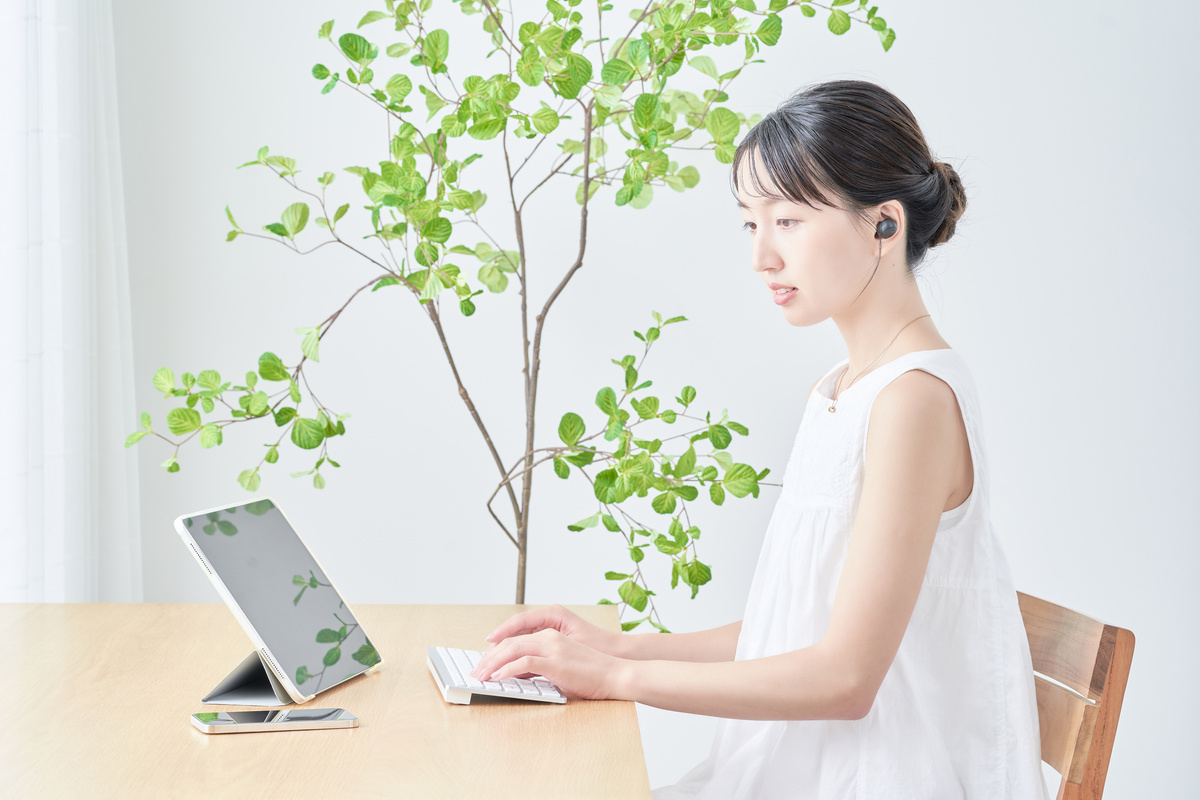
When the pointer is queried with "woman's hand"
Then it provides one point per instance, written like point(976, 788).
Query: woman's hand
point(575, 668)
point(561, 619)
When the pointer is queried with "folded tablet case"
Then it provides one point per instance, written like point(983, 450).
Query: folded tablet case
point(251, 683)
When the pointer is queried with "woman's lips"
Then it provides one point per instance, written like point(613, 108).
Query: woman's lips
point(780, 299)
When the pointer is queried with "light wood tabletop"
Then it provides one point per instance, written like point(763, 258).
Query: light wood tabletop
point(104, 692)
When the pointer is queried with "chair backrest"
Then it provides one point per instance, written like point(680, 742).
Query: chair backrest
point(1077, 723)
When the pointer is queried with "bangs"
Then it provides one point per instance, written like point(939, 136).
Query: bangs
point(791, 167)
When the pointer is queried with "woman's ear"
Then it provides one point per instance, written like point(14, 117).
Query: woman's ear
point(894, 210)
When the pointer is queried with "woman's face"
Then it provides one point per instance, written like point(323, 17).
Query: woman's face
point(818, 253)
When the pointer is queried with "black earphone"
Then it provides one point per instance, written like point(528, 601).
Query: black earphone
point(885, 228)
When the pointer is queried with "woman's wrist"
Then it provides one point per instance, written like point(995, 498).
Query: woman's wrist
point(616, 643)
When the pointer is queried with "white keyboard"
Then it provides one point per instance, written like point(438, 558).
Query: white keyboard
point(451, 668)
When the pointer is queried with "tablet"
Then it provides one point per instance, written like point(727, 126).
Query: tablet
point(284, 601)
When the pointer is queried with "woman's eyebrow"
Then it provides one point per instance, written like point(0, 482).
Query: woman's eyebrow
point(774, 201)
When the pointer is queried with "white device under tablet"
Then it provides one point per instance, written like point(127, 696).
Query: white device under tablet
point(306, 638)
point(292, 719)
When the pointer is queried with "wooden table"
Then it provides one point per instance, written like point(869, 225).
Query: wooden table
point(103, 693)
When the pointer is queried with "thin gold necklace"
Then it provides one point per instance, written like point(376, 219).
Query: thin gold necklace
point(836, 391)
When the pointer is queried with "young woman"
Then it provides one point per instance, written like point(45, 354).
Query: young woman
point(882, 653)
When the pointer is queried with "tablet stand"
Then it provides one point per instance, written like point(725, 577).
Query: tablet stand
point(250, 684)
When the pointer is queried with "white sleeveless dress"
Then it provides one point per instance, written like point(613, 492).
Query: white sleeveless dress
point(956, 715)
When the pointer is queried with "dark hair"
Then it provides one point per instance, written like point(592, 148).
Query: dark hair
point(861, 143)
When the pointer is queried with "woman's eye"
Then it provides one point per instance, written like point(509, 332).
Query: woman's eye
point(749, 226)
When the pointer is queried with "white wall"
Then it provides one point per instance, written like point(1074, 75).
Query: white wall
point(1068, 287)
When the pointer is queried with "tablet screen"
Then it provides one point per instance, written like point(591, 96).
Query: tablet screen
point(285, 595)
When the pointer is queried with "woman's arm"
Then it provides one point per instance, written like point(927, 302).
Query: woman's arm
point(914, 436)
point(716, 644)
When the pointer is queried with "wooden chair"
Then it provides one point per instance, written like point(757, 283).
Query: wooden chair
point(1077, 725)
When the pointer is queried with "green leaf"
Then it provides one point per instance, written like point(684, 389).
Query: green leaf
point(720, 436)
point(722, 124)
point(487, 129)
point(164, 380)
point(258, 403)
point(686, 464)
point(667, 546)
point(302, 673)
point(839, 21)
point(605, 486)
point(699, 573)
point(610, 523)
point(249, 479)
point(295, 217)
point(135, 437)
point(226, 527)
point(617, 72)
point(271, 368)
point(319, 481)
point(356, 48)
point(437, 229)
point(687, 396)
point(705, 65)
point(738, 427)
point(647, 110)
point(183, 420)
point(606, 401)
point(587, 522)
point(293, 391)
point(616, 576)
point(311, 342)
point(633, 594)
point(272, 455)
point(545, 119)
point(740, 480)
point(332, 656)
point(284, 415)
point(647, 408)
point(436, 47)
point(210, 435)
point(145, 420)
point(372, 16)
point(398, 87)
point(769, 30)
point(366, 654)
point(320, 72)
point(580, 458)
point(307, 433)
point(328, 636)
point(571, 428)
point(561, 469)
point(664, 503)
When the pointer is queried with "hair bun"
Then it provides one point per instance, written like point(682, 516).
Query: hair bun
point(957, 202)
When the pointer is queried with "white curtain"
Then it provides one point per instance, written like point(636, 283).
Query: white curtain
point(69, 526)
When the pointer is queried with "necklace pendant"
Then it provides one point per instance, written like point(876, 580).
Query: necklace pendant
point(832, 409)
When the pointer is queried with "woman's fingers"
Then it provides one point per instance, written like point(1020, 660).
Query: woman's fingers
point(525, 622)
point(503, 653)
